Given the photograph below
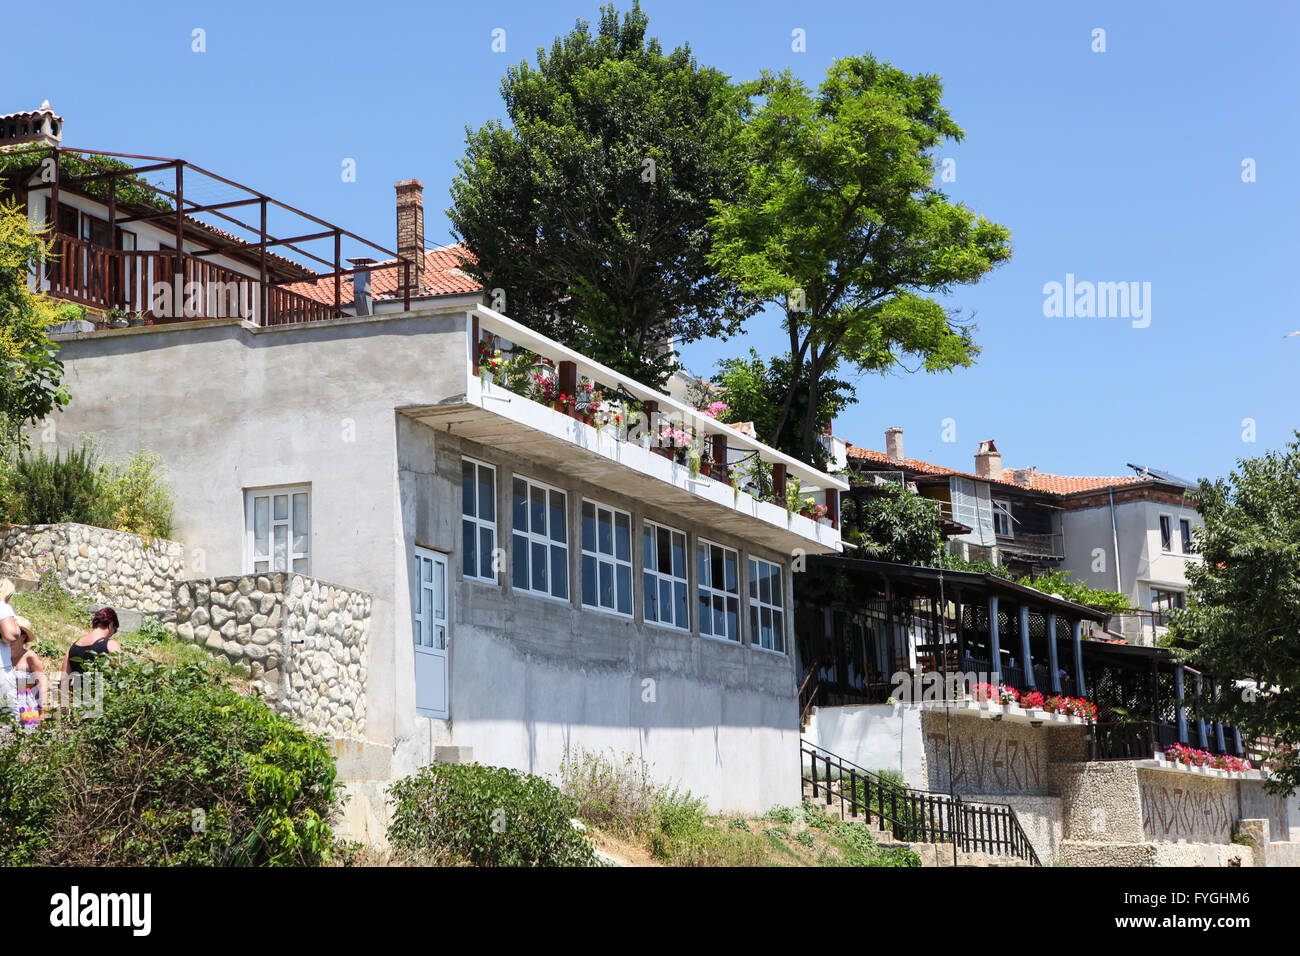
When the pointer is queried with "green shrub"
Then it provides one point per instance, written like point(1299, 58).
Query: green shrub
point(178, 769)
point(135, 497)
point(614, 794)
point(44, 490)
point(485, 816)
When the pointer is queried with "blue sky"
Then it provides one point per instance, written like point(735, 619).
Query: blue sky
point(1123, 165)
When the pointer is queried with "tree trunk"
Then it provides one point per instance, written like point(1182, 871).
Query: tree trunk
point(810, 415)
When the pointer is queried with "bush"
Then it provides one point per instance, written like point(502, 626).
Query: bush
point(178, 769)
point(44, 490)
point(133, 497)
point(613, 795)
point(485, 816)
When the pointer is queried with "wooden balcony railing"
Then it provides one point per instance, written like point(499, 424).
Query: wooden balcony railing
point(164, 286)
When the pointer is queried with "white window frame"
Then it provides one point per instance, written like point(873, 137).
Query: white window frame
point(757, 605)
point(1002, 509)
point(533, 537)
point(653, 576)
point(479, 523)
point(1160, 529)
point(1177, 601)
point(610, 558)
point(712, 592)
point(1185, 540)
point(270, 493)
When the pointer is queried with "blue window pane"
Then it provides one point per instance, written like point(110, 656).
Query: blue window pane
point(679, 555)
point(485, 548)
point(588, 526)
point(665, 552)
point(623, 537)
point(706, 616)
point(467, 488)
point(520, 498)
point(647, 547)
point(559, 571)
point(732, 584)
point(702, 565)
point(559, 529)
point(753, 579)
point(519, 561)
point(588, 580)
point(648, 597)
point(666, 599)
point(733, 619)
point(679, 603)
point(719, 617)
point(604, 532)
point(624, 589)
point(606, 584)
point(468, 548)
point(778, 631)
point(487, 495)
point(539, 568)
point(777, 594)
point(537, 510)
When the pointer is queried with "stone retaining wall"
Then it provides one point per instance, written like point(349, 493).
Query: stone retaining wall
point(303, 641)
point(103, 566)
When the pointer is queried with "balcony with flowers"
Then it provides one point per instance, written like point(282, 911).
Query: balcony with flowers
point(543, 401)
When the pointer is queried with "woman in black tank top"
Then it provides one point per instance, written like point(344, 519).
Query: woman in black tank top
point(98, 642)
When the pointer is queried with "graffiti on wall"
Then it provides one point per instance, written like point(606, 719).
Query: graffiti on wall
point(983, 764)
point(1179, 813)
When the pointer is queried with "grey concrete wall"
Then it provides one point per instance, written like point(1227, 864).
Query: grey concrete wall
point(104, 566)
point(532, 677)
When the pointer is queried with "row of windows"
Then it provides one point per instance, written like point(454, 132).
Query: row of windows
point(540, 561)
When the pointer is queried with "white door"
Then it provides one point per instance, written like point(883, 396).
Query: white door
point(429, 610)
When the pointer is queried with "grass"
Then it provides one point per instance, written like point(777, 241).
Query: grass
point(618, 797)
point(58, 618)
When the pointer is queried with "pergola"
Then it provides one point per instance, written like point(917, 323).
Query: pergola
point(200, 208)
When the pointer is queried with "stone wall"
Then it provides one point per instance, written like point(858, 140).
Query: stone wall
point(1185, 807)
point(994, 757)
point(103, 566)
point(304, 641)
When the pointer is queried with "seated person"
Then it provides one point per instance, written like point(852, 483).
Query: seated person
point(97, 642)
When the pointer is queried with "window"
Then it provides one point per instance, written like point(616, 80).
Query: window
point(1166, 533)
point(606, 558)
point(478, 523)
point(719, 591)
point(1002, 518)
point(1162, 603)
point(663, 577)
point(766, 603)
point(278, 526)
point(1185, 529)
point(541, 549)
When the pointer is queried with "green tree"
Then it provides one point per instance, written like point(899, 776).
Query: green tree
point(753, 390)
point(893, 524)
point(30, 374)
point(841, 225)
point(1242, 621)
point(590, 209)
point(1062, 583)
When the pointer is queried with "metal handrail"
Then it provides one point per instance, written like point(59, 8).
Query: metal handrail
point(918, 816)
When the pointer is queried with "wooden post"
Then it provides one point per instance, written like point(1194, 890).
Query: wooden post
point(718, 452)
point(473, 342)
point(778, 481)
point(567, 383)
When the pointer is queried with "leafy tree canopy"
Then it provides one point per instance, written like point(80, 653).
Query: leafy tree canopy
point(898, 525)
point(753, 390)
point(1242, 621)
point(841, 225)
point(590, 210)
point(1062, 583)
point(30, 374)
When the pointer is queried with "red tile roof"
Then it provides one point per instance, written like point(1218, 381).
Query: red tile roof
point(1038, 480)
point(442, 276)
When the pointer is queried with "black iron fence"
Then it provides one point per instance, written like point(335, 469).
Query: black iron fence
point(913, 816)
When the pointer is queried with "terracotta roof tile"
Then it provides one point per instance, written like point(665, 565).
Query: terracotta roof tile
point(442, 276)
point(1038, 480)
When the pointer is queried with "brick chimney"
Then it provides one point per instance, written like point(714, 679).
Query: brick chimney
point(894, 443)
point(988, 461)
point(410, 230)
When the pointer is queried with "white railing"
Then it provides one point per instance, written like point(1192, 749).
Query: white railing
point(668, 410)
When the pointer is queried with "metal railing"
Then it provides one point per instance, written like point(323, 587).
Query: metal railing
point(914, 816)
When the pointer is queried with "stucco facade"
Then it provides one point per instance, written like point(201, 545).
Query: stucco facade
point(335, 408)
